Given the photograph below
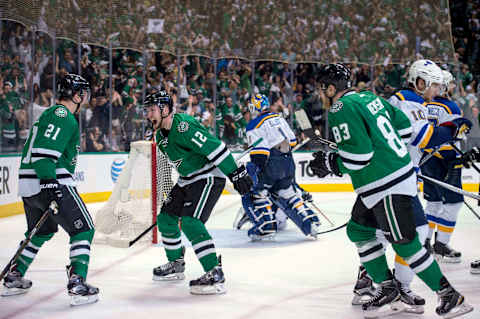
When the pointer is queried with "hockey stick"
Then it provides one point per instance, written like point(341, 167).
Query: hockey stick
point(449, 187)
point(305, 141)
point(321, 213)
point(471, 209)
point(52, 209)
point(334, 229)
point(133, 241)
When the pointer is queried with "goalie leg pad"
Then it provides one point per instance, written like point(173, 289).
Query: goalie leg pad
point(259, 210)
point(299, 213)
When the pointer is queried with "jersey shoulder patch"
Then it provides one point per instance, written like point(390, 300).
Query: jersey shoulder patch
point(182, 127)
point(61, 112)
point(337, 106)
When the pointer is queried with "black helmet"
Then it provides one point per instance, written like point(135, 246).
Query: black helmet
point(160, 98)
point(71, 84)
point(336, 74)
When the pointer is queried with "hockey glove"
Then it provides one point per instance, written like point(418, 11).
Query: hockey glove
point(324, 163)
point(471, 156)
point(242, 182)
point(52, 190)
point(460, 127)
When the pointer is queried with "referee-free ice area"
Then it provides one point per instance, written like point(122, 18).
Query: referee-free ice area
point(291, 277)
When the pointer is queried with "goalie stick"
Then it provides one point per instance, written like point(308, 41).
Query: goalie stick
point(52, 209)
point(132, 242)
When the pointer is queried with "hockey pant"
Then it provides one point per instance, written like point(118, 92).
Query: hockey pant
point(258, 208)
point(394, 216)
point(443, 205)
point(72, 216)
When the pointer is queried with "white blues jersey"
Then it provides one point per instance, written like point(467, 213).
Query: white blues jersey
point(414, 107)
point(273, 129)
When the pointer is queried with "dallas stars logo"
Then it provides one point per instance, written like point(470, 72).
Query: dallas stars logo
point(176, 163)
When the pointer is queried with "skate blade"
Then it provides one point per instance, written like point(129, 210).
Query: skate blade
point(458, 311)
point(267, 237)
point(171, 277)
point(386, 310)
point(414, 309)
point(6, 292)
point(474, 271)
point(216, 289)
point(359, 300)
point(448, 260)
point(82, 300)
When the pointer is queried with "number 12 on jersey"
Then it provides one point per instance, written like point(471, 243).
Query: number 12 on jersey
point(199, 138)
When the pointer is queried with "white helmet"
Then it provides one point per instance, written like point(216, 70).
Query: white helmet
point(447, 78)
point(426, 70)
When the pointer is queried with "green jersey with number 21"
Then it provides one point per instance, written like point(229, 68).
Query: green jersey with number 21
point(368, 130)
point(51, 150)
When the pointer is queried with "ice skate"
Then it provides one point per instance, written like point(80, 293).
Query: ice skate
point(475, 267)
point(363, 290)
point(211, 283)
point(14, 283)
point(385, 302)
point(173, 270)
point(81, 293)
point(443, 253)
point(451, 303)
point(413, 302)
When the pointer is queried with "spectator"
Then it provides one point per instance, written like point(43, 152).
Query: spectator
point(94, 141)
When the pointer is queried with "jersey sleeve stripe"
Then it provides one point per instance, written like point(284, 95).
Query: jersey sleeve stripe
point(355, 157)
point(221, 157)
point(220, 149)
point(400, 96)
point(426, 137)
point(37, 157)
point(46, 152)
point(259, 152)
point(354, 165)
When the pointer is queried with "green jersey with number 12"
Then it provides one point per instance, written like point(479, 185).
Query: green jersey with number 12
point(194, 152)
point(368, 132)
point(51, 151)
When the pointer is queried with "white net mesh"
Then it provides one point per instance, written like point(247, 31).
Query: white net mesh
point(128, 211)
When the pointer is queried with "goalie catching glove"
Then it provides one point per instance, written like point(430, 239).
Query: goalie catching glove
point(324, 163)
point(242, 182)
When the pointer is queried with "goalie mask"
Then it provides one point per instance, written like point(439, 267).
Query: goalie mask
point(258, 104)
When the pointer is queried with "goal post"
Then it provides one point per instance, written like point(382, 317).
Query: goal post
point(137, 197)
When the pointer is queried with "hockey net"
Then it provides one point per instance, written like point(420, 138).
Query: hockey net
point(137, 197)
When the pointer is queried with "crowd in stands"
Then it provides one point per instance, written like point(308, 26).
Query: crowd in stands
point(215, 91)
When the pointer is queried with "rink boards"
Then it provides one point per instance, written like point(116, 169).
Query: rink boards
point(96, 175)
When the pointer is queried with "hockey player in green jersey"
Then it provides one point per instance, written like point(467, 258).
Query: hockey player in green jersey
point(202, 162)
point(46, 175)
point(368, 132)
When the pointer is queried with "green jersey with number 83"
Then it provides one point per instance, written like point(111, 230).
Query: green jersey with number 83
point(370, 134)
point(194, 151)
point(51, 151)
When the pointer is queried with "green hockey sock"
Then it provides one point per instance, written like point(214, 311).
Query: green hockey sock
point(421, 262)
point(80, 252)
point(370, 250)
point(171, 237)
point(202, 242)
point(30, 251)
